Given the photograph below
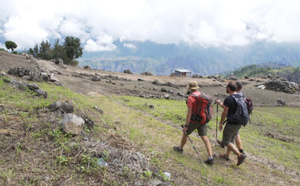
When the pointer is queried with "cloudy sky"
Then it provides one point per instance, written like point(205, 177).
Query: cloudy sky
point(99, 22)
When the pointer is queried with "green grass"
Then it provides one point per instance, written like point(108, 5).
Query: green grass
point(153, 133)
point(278, 120)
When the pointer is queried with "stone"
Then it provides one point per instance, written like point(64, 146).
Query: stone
point(282, 86)
point(163, 90)
point(88, 122)
point(280, 102)
point(2, 73)
point(72, 124)
point(88, 67)
point(167, 96)
point(41, 92)
point(53, 78)
point(59, 61)
point(64, 107)
point(33, 86)
point(127, 71)
point(96, 78)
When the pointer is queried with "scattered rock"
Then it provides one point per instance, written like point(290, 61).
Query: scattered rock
point(147, 73)
point(196, 76)
point(88, 122)
point(63, 107)
point(127, 71)
point(167, 96)
point(151, 106)
point(98, 109)
point(280, 137)
point(280, 102)
point(282, 86)
point(170, 91)
point(163, 90)
point(72, 124)
point(41, 92)
point(88, 67)
point(232, 78)
point(59, 61)
point(246, 77)
point(96, 78)
point(52, 78)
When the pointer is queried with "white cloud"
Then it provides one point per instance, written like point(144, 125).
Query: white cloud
point(2, 46)
point(213, 22)
point(102, 43)
point(129, 45)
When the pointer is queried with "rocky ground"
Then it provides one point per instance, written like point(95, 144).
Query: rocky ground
point(87, 81)
point(104, 83)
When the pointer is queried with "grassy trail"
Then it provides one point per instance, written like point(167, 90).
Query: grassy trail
point(271, 161)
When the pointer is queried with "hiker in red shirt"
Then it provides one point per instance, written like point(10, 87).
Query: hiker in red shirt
point(191, 125)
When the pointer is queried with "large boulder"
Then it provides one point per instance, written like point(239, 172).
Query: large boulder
point(127, 71)
point(282, 86)
point(59, 61)
point(72, 124)
point(19, 71)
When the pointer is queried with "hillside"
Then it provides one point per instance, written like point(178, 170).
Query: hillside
point(162, 59)
point(135, 140)
point(290, 73)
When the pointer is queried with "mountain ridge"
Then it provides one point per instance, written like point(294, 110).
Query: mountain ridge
point(163, 59)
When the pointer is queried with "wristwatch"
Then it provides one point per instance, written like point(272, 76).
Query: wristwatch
point(186, 126)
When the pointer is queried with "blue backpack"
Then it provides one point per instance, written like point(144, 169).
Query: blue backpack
point(241, 115)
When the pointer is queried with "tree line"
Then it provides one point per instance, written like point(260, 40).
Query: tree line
point(69, 51)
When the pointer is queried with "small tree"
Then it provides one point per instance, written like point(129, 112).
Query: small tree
point(72, 47)
point(45, 50)
point(60, 52)
point(11, 45)
point(34, 51)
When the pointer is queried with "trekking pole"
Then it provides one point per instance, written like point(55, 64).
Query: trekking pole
point(217, 121)
point(195, 148)
point(219, 82)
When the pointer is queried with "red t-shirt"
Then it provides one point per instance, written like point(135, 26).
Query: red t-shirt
point(192, 103)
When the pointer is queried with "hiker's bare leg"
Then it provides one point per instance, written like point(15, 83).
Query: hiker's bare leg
point(183, 140)
point(207, 145)
point(231, 147)
point(238, 142)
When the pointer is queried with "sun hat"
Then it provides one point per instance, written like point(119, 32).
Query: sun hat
point(193, 85)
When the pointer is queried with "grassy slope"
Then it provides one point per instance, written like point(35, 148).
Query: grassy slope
point(34, 157)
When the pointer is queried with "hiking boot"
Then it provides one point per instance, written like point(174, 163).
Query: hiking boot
point(241, 159)
point(178, 149)
point(221, 143)
point(209, 162)
point(223, 156)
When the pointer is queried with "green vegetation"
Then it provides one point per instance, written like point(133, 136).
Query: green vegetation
point(10, 45)
point(68, 52)
point(33, 146)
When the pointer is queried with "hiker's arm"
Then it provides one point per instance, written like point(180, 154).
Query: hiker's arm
point(188, 118)
point(223, 117)
point(219, 103)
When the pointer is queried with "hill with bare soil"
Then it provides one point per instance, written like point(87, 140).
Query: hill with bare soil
point(127, 125)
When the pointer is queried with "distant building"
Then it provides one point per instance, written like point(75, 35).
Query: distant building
point(182, 72)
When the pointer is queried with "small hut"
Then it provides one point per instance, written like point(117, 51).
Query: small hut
point(182, 72)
